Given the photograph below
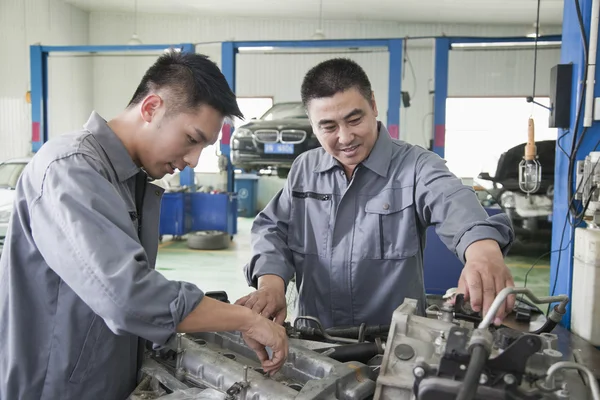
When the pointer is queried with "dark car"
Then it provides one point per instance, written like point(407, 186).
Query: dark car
point(531, 215)
point(274, 140)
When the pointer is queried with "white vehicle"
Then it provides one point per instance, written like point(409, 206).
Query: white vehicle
point(10, 172)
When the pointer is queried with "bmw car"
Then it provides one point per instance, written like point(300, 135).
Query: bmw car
point(274, 140)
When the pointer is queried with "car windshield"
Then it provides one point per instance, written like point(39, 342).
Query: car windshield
point(285, 111)
point(10, 173)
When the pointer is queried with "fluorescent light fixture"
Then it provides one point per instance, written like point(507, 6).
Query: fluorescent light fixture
point(496, 45)
point(257, 48)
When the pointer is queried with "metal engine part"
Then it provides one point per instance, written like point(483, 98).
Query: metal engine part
point(423, 359)
point(427, 359)
point(222, 361)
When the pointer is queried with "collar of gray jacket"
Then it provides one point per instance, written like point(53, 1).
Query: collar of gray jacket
point(113, 147)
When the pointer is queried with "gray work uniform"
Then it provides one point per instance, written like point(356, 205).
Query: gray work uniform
point(356, 246)
point(77, 287)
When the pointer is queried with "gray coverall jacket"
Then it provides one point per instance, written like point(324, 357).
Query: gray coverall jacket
point(356, 247)
point(76, 286)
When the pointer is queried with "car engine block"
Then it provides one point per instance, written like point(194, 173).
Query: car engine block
point(415, 358)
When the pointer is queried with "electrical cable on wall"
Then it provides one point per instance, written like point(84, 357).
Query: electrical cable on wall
point(572, 208)
point(535, 50)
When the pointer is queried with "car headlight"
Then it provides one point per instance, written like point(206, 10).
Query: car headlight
point(242, 133)
point(4, 216)
point(507, 200)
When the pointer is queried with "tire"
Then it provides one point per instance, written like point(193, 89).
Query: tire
point(208, 240)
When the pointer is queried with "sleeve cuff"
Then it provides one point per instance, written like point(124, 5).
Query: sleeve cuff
point(259, 267)
point(187, 300)
point(497, 227)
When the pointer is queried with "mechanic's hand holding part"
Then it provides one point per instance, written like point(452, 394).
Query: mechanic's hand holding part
point(484, 276)
point(269, 300)
point(258, 332)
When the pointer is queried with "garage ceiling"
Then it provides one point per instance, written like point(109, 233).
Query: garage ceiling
point(431, 11)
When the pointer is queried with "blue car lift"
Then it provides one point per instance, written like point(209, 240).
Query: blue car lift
point(572, 52)
point(39, 86)
point(394, 46)
point(443, 45)
point(181, 212)
point(563, 234)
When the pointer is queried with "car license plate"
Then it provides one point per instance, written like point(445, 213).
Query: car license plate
point(279, 148)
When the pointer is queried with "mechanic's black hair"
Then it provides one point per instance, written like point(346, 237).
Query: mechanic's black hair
point(193, 80)
point(335, 76)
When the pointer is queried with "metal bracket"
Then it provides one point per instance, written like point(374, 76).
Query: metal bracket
point(238, 387)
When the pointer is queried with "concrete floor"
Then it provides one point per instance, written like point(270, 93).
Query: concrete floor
point(223, 269)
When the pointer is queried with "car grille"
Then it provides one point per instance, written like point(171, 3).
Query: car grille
point(266, 136)
point(292, 136)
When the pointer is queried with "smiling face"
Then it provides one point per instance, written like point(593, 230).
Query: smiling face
point(346, 126)
point(174, 140)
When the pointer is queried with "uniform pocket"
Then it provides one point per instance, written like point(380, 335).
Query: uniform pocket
point(308, 231)
point(87, 351)
point(389, 229)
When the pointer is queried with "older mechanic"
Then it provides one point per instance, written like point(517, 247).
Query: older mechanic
point(350, 221)
point(77, 279)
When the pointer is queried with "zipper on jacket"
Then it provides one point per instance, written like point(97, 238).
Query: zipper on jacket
point(312, 195)
point(381, 234)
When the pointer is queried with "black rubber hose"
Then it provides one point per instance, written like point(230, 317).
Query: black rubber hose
point(548, 326)
point(360, 352)
point(468, 389)
point(352, 331)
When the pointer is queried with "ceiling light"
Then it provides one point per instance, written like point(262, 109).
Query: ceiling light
point(135, 40)
point(499, 45)
point(318, 35)
point(532, 33)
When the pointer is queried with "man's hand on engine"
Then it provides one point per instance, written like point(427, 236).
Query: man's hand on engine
point(261, 333)
point(485, 274)
point(268, 300)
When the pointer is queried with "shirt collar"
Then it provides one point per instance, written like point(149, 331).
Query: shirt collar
point(116, 152)
point(327, 162)
point(378, 161)
point(381, 156)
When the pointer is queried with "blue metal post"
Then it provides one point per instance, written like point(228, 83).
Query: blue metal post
point(188, 47)
point(442, 50)
point(228, 51)
point(187, 177)
point(394, 87)
point(38, 60)
point(572, 51)
point(39, 97)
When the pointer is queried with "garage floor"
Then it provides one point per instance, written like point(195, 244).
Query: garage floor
point(223, 269)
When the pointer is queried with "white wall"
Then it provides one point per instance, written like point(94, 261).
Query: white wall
point(49, 22)
point(472, 73)
point(106, 82)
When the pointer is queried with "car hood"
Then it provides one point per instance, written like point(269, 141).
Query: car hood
point(6, 198)
point(289, 123)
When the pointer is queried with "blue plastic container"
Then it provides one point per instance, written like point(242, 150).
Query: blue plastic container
point(246, 189)
point(175, 214)
point(214, 212)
